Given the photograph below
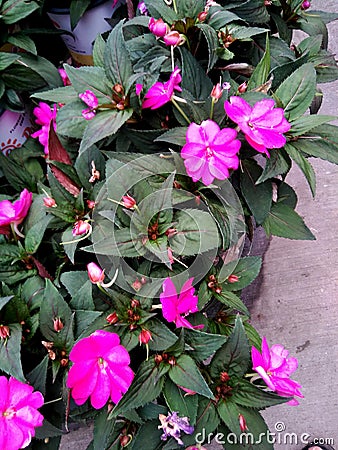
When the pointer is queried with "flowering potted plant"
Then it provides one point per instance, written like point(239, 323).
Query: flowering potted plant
point(123, 218)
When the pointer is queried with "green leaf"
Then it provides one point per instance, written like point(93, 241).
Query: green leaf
point(297, 91)
point(185, 373)
point(17, 176)
point(190, 8)
point(178, 401)
point(90, 78)
point(98, 51)
point(313, 25)
point(228, 411)
point(218, 17)
point(117, 62)
point(251, 10)
point(14, 10)
point(175, 136)
point(158, 9)
point(103, 431)
point(146, 386)
point(54, 306)
point(161, 337)
point(77, 9)
point(257, 196)
point(6, 59)
point(5, 300)
point(83, 298)
point(247, 270)
point(277, 164)
point(249, 395)
point(35, 235)
point(207, 421)
point(69, 243)
point(73, 281)
point(41, 66)
point(10, 353)
point(283, 221)
point(203, 344)
point(104, 124)
point(232, 301)
point(38, 376)
point(69, 120)
point(211, 38)
point(23, 41)
point(64, 94)
point(261, 72)
point(234, 356)
point(83, 319)
point(197, 232)
point(148, 436)
point(304, 165)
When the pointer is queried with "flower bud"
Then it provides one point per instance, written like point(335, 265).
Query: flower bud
point(242, 87)
point(224, 377)
point(135, 303)
point(242, 423)
point(125, 440)
point(202, 16)
point(137, 285)
point(232, 278)
point(95, 273)
point(174, 38)
point(91, 204)
point(216, 92)
point(128, 201)
point(306, 5)
point(112, 318)
point(81, 227)
point(49, 202)
point(64, 362)
point(4, 332)
point(158, 27)
point(144, 337)
point(57, 324)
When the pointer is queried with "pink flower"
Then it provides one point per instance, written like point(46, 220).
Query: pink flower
point(64, 76)
point(18, 413)
point(175, 307)
point(158, 27)
point(90, 99)
point(81, 227)
point(161, 93)
point(14, 212)
point(174, 38)
point(100, 370)
point(262, 124)
point(95, 273)
point(275, 368)
point(45, 116)
point(210, 152)
point(138, 88)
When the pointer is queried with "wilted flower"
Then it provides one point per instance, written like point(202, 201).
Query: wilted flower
point(100, 369)
point(161, 93)
point(158, 27)
point(95, 273)
point(174, 38)
point(275, 368)
point(15, 213)
point(90, 99)
point(263, 125)
point(45, 116)
point(175, 307)
point(210, 152)
point(172, 425)
point(19, 415)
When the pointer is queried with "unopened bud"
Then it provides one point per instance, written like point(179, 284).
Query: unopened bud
point(91, 204)
point(144, 337)
point(232, 278)
point(4, 332)
point(112, 318)
point(216, 92)
point(95, 273)
point(174, 39)
point(135, 303)
point(242, 423)
point(118, 88)
point(224, 377)
point(64, 362)
point(128, 201)
point(306, 5)
point(137, 285)
point(57, 324)
point(81, 227)
point(158, 359)
point(172, 361)
point(242, 87)
point(49, 202)
point(202, 16)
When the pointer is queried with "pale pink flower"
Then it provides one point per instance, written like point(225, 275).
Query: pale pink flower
point(175, 307)
point(44, 116)
point(14, 213)
point(19, 413)
point(174, 38)
point(161, 93)
point(100, 369)
point(90, 99)
point(263, 125)
point(275, 368)
point(158, 27)
point(210, 152)
point(95, 273)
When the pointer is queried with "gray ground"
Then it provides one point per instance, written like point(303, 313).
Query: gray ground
point(297, 304)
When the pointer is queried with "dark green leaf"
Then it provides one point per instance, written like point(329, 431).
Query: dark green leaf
point(148, 436)
point(6, 59)
point(35, 235)
point(23, 41)
point(14, 10)
point(38, 376)
point(175, 136)
point(77, 9)
point(211, 37)
point(10, 353)
point(162, 337)
point(304, 165)
point(203, 344)
point(219, 17)
point(247, 269)
point(277, 164)
point(261, 72)
point(228, 411)
point(158, 9)
point(178, 401)
point(83, 298)
point(65, 94)
point(90, 78)
point(98, 51)
point(232, 301)
point(249, 395)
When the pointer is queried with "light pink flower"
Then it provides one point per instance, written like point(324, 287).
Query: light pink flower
point(210, 152)
point(95, 273)
point(18, 413)
point(174, 38)
point(175, 307)
point(275, 368)
point(14, 212)
point(158, 27)
point(44, 116)
point(161, 93)
point(100, 369)
point(263, 125)
point(90, 99)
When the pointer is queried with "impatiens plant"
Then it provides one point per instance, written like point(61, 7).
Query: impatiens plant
point(123, 219)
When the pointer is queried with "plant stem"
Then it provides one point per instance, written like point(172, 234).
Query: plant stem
point(174, 5)
point(177, 106)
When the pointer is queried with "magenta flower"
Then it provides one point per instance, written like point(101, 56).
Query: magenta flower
point(263, 125)
point(63, 74)
point(175, 307)
point(275, 368)
point(210, 152)
point(45, 116)
point(158, 27)
point(100, 369)
point(174, 38)
point(81, 227)
point(14, 213)
point(95, 273)
point(18, 413)
point(161, 93)
point(90, 99)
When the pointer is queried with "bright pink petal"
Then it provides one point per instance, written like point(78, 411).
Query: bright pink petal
point(238, 109)
point(81, 370)
point(259, 147)
point(7, 212)
point(209, 130)
point(169, 300)
point(225, 137)
point(117, 355)
point(268, 380)
point(266, 354)
point(261, 108)
point(101, 392)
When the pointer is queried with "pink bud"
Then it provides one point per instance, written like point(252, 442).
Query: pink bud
point(4, 332)
point(91, 204)
point(216, 92)
point(57, 324)
point(242, 423)
point(202, 16)
point(49, 202)
point(232, 278)
point(144, 337)
point(138, 88)
point(174, 38)
point(158, 27)
point(64, 76)
point(306, 5)
point(170, 255)
point(137, 285)
point(95, 273)
point(242, 87)
point(81, 227)
point(128, 201)
point(112, 318)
